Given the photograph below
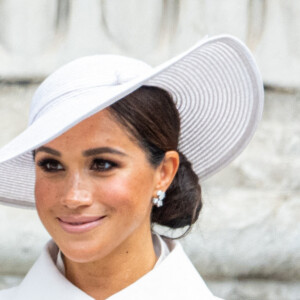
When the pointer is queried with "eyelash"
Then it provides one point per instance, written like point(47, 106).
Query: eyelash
point(100, 161)
point(47, 165)
point(44, 162)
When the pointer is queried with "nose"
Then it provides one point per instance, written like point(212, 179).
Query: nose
point(77, 192)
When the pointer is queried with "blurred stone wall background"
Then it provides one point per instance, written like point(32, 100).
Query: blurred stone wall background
point(247, 242)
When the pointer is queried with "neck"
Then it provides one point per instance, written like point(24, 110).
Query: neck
point(102, 278)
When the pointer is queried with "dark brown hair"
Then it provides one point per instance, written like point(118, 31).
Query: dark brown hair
point(151, 117)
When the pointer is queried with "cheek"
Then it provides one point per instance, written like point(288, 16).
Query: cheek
point(128, 195)
point(45, 195)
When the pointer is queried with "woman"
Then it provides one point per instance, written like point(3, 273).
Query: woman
point(112, 148)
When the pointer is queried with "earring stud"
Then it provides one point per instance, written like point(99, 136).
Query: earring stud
point(158, 201)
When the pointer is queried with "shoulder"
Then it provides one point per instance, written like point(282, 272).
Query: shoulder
point(8, 294)
point(35, 287)
point(27, 287)
point(186, 273)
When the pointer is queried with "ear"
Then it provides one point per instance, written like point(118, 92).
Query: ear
point(167, 170)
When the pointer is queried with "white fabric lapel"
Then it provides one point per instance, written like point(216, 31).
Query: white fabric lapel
point(175, 278)
point(44, 281)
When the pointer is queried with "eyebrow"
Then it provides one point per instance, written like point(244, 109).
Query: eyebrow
point(102, 150)
point(89, 152)
point(47, 150)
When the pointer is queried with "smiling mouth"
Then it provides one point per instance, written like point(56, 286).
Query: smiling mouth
point(79, 224)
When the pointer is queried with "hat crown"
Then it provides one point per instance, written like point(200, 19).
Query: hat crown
point(84, 74)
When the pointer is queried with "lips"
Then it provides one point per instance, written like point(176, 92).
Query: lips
point(79, 224)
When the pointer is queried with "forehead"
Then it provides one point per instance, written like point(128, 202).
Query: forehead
point(101, 129)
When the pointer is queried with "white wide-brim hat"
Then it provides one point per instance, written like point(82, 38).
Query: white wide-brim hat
point(216, 86)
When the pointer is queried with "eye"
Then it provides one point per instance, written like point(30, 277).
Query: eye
point(102, 165)
point(50, 165)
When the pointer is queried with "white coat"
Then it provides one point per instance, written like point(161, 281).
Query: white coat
point(174, 278)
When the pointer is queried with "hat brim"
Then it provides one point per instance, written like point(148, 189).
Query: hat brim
point(217, 89)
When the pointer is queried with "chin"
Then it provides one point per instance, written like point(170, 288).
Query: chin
point(82, 252)
point(84, 248)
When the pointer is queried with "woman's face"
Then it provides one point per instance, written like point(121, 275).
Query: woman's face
point(93, 190)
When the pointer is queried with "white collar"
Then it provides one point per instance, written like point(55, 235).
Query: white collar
point(174, 278)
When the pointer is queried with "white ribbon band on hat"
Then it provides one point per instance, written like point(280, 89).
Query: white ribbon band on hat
point(216, 86)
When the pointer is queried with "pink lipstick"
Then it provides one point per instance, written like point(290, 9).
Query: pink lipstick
point(79, 224)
